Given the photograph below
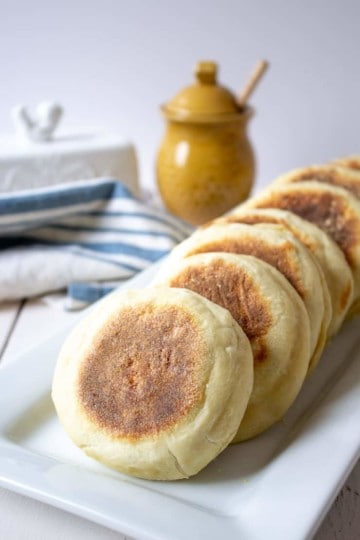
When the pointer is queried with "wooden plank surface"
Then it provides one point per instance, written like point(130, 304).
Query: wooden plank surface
point(343, 520)
point(8, 314)
point(36, 321)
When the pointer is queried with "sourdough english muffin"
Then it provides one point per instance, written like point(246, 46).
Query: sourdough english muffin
point(350, 162)
point(333, 209)
point(154, 382)
point(277, 246)
point(328, 174)
point(272, 316)
point(336, 271)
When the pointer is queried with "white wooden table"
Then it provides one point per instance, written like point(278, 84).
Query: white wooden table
point(24, 324)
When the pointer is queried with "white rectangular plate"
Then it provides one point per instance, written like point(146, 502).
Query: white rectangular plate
point(283, 481)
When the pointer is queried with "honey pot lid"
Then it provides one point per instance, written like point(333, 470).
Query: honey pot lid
point(205, 100)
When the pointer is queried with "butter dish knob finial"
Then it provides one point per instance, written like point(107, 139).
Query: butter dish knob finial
point(38, 128)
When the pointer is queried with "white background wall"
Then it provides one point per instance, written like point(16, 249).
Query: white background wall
point(111, 63)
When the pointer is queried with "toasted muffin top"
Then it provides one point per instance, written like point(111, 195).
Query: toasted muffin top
point(254, 218)
point(337, 176)
point(352, 162)
point(142, 373)
point(273, 317)
point(231, 287)
point(279, 255)
point(251, 219)
point(330, 257)
point(154, 382)
point(327, 208)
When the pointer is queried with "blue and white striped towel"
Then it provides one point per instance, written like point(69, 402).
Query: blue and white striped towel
point(81, 236)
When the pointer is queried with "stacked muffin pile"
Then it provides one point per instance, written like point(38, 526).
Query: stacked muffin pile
point(157, 382)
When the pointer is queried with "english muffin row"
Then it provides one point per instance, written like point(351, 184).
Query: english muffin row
point(157, 382)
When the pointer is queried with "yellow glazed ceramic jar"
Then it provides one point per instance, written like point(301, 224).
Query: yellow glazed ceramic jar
point(205, 164)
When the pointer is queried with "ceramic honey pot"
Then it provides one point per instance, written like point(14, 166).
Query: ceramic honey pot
point(205, 164)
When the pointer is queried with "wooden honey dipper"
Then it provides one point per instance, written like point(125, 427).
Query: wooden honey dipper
point(252, 83)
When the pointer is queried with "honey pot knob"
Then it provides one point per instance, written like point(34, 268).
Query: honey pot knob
point(205, 72)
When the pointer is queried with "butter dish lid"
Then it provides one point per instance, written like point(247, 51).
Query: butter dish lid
point(205, 100)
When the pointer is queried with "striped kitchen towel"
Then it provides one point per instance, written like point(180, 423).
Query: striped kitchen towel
point(86, 237)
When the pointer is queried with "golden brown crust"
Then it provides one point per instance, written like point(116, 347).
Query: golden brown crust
point(272, 315)
point(325, 209)
point(188, 402)
point(251, 219)
point(160, 349)
point(278, 256)
point(351, 163)
point(230, 287)
point(269, 219)
point(337, 272)
point(328, 175)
